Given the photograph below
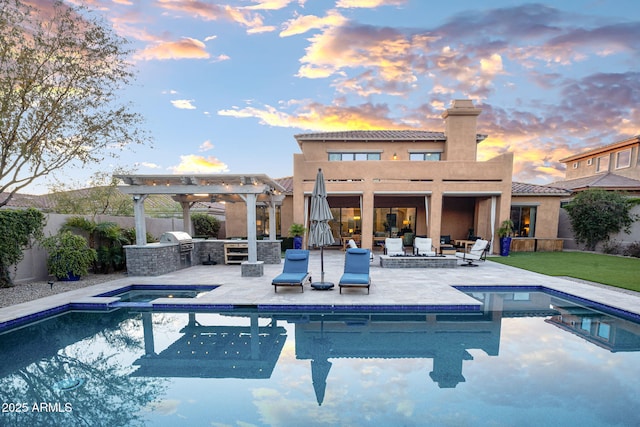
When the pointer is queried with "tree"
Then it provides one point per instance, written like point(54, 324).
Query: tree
point(61, 71)
point(18, 229)
point(594, 214)
point(103, 198)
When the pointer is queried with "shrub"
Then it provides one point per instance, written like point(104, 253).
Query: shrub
point(612, 248)
point(595, 214)
point(205, 225)
point(18, 228)
point(633, 250)
point(69, 255)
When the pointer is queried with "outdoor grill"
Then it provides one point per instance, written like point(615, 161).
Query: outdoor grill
point(183, 239)
point(185, 243)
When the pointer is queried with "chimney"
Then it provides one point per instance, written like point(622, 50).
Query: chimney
point(461, 130)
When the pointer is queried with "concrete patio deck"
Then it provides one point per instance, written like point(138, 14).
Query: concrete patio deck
point(406, 287)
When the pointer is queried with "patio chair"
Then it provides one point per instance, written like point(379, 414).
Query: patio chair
point(352, 244)
point(295, 271)
point(393, 246)
point(478, 252)
point(356, 269)
point(423, 246)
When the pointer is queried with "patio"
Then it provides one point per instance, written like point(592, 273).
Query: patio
point(409, 287)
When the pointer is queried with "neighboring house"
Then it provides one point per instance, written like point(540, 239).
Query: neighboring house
point(612, 167)
point(618, 159)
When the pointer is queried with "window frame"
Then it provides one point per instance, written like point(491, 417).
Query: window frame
point(422, 156)
point(352, 156)
point(599, 167)
point(628, 152)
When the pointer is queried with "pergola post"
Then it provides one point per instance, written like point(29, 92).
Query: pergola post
point(141, 226)
point(186, 217)
point(252, 267)
point(272, 219)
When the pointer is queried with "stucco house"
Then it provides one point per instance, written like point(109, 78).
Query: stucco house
point(409, 182)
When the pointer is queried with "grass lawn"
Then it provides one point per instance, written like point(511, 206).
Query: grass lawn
point(621, 272)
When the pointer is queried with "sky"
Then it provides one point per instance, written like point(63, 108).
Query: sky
point(224, 86)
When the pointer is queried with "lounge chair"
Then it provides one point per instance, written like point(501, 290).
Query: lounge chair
point(393, 246)
point(356, 269)
point(478, 252)
point(295, 270)
point(423, 246)
point(352, 244)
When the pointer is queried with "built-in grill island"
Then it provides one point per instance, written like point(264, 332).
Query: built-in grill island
point(176, 250)
point(185, 245)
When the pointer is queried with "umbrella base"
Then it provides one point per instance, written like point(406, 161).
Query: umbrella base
point(322, 286)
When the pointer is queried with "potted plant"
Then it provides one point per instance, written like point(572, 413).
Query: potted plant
point(296, 231)
point(505, 232)
point(69, 256)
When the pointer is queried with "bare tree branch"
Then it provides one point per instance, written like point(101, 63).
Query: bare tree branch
point(61, 74)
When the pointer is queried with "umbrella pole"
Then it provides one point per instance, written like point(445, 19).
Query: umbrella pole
point(322, 263)
point(322, 285)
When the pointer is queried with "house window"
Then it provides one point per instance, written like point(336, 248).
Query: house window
point(347, 157)
point(428, 157)
point(589, 162)
point(623, 159)
point(604, 331)
point(603, 164)
point(576, 165)
point(524, 220)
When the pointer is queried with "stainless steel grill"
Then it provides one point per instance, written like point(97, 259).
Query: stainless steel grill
point(183, 239)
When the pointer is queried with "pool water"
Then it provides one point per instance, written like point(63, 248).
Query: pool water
point(147, 293)
point(526, 359)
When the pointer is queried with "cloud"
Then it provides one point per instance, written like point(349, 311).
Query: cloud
point(386, 51)
point(304, 23)
point(148, 165)
point(348, 4)
point(269, 4)
point(213, 12)
point(192, 163)
point(314, 116)
point(186, 48)
point(183, 104)
point(221, 58)
point(206, 146)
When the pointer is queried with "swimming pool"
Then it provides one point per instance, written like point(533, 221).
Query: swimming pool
point(526, 358)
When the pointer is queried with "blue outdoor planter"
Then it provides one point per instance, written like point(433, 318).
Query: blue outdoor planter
point(69, 278)
point(505, 246)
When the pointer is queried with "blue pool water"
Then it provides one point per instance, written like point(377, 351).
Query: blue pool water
point(526, 359)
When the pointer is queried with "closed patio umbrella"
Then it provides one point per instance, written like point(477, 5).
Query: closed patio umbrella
point(319, 230)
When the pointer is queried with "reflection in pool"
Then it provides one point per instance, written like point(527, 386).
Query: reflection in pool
point(525, 359)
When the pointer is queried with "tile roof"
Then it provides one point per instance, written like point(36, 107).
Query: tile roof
point(605, 181)
point(286, 182)
point(373, 135)
point(378, 135)
point(521, 189)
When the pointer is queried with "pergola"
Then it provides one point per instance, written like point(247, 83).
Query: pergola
point(189, 189)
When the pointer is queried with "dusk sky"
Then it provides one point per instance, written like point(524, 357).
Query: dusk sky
point(225, 86)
